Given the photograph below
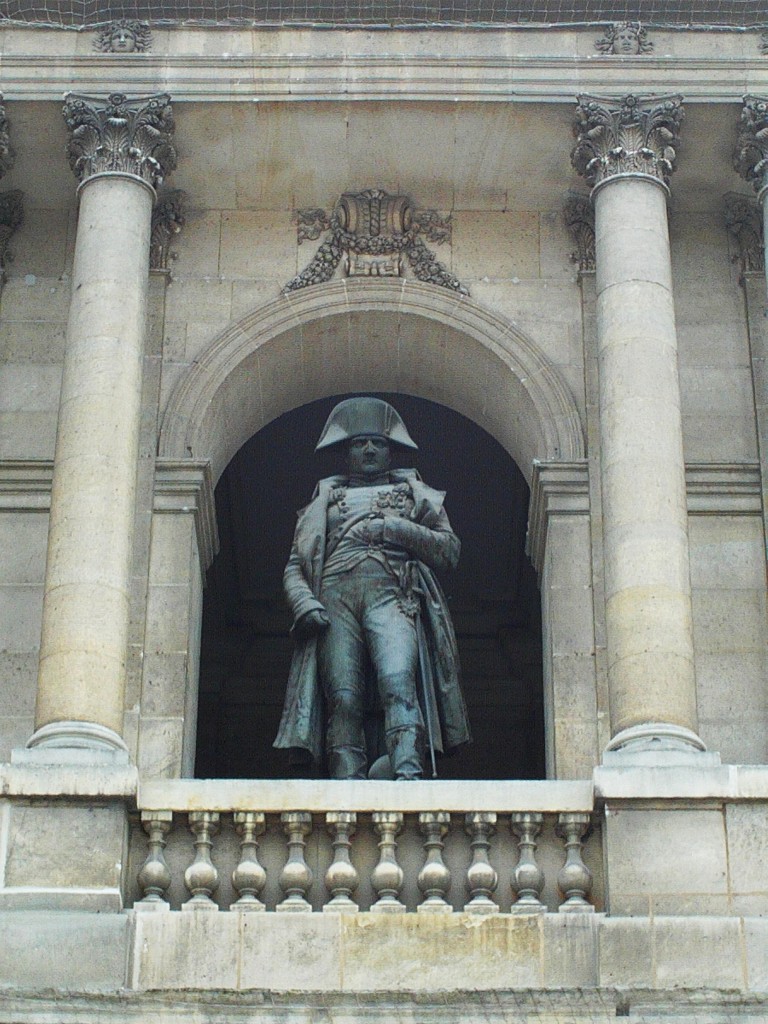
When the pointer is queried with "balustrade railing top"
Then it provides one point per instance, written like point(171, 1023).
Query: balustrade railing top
point(319, 795)
point(384, 847)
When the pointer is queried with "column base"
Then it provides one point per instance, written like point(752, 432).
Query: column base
point(658, 743)
point(73, 743)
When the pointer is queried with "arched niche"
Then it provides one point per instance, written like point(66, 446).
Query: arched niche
point(389, 336)
point(408, 338)
point(492, 594)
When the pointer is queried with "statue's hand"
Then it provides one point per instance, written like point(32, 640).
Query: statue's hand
point(374, 526)
point(311, 624)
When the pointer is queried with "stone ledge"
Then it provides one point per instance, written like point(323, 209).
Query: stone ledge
point(272, 796)
point(437, 76)
point(722, 783)
point(67, 780)
point(225, 967)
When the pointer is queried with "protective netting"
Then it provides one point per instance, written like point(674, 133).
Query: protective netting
point(725, 14)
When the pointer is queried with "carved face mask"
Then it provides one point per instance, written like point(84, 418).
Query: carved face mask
point(123, 42)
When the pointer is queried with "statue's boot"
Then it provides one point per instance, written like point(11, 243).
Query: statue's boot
point(347, 762)
point(406, 751)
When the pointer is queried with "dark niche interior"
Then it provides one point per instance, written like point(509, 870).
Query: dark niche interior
point(493, 595)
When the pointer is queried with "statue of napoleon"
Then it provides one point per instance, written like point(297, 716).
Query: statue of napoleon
point(375, 669)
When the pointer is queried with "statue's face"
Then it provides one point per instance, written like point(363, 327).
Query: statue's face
point(626, 41)
point(123, 41)
point(368, 456)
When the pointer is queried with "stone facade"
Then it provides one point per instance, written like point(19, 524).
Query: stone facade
point(563, 246)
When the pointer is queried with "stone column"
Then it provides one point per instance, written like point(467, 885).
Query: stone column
point(626, 149)
point(119, 149)
point(751, 156)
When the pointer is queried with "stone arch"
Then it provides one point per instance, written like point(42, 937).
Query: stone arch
point(384, 335)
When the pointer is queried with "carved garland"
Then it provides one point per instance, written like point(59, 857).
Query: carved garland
point(11, 218)
point(168, 218)
point(373, 231)
point(744, 220)
point(623, 137)
point(7, 154)
point(751, 156)
point(580, 221)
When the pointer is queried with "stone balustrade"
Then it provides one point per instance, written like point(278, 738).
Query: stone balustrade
point(378, 847)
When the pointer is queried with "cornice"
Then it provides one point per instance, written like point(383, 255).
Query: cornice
point(182, 486)
point(712, 489)
point(295, 77)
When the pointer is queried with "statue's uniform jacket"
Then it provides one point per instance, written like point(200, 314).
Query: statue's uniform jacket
point(427, 537)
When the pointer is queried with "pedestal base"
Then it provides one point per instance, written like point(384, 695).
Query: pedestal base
point(658, 744)
point(72, 743)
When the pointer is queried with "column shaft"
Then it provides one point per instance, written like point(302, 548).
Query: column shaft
point(645, 531)
point(86, 601)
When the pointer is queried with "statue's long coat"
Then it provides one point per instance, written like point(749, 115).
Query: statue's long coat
point(302, 726)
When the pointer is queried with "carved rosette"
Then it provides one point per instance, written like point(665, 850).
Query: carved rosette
point(744, 220)
point(168, 219)
point(7, 154)
point(121, 135)
point(751, 156)
point(626, 137)
point(375, 234)
point(580, 220)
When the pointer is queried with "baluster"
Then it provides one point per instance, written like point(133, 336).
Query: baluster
point(482, 879)
point(574, 879)
point(434, 878)
point(154, 877)
point(387, 876)
point(201, 877)
point(341, 878)
point(527, 877)
point(249, 877)
point(296, 876)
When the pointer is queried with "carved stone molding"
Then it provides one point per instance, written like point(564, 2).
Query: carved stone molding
point(712, 489)
point(626, 137)
point(580, 219)
point(7, 154)
point(375, 234)
point(744, 220)
point(557, 488)
point(11, 218)
point(168, 218)
point(125, 35)
point(184, 487)
point(128, 136)
point(751, 156)
point(624, 39)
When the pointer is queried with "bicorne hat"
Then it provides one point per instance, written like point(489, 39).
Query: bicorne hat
point(355, 417)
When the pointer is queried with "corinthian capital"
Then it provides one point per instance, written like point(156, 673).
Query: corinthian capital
point(751, 156)
point(626, 137)
point(128, 136)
